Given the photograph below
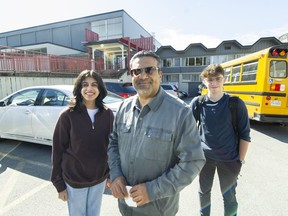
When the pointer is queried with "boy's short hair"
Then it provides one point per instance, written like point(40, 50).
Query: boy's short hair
point(212, 70)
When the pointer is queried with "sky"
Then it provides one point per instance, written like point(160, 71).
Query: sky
point(176, 23)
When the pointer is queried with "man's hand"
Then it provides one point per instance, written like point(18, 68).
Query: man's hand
point(139, 194)
point(108, 183)
point(63, 195)
point(118, 188)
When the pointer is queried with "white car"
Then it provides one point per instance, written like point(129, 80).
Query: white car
point(31, 114)
point(170, 88)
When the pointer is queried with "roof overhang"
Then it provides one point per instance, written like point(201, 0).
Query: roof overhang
point(109, 46)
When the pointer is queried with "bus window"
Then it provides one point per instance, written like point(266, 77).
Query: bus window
point(227, 74)
point(278, 69)
point(236, 74)
point(249, 71)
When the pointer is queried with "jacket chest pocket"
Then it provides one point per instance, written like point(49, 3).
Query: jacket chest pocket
point(157, 144)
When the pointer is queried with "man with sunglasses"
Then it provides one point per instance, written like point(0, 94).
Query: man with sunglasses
point(224, 145)
point(155, 146)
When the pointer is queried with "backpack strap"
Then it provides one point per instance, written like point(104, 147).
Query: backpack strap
point(233, 103)
point(198, 109)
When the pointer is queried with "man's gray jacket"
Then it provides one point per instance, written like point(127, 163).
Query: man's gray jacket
point(158, 145)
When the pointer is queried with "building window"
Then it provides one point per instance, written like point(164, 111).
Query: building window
point(38, 50)
point(222, 59)
point(170, 78)
point(198, 61)
point(186, 77)
point(177, 62)
point(189, 61)
point(174, 78)
point(114, 27)
point(213, 59)
point(204, 61)
point(195, 77)
point(167, 63)
point(208, 60)
point(108, 29)
point(195, 61)
point(230, 57)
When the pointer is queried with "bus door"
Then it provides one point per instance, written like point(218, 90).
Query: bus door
point(277, 86)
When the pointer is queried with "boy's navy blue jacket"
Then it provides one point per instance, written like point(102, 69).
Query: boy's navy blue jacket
point(218, 139)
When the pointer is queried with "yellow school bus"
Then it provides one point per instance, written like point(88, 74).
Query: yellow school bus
point(260, 80)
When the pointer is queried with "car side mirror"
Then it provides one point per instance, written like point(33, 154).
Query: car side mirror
point(2, 104)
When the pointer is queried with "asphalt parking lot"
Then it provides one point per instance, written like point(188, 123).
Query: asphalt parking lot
point(25, 188)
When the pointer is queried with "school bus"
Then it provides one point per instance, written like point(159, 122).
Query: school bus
point(260, 80)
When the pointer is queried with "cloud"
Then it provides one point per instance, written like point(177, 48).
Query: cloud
point(180, 41)
point(252, 37)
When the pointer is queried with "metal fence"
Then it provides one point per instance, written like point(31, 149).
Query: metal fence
point(16, 60)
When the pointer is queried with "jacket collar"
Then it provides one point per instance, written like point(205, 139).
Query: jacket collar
point(154, 103)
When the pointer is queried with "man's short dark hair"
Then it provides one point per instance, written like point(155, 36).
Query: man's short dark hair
point(146, 53)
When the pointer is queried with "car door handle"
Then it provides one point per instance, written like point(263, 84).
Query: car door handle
point(28, 111)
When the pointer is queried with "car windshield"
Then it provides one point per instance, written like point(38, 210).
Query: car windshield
point(167, 87)
point(129, 89)
point(112, 98)
point(120, 87)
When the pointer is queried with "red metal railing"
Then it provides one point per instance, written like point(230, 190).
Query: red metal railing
point(16, 60)
point(144, 43)
point(91, 36)
point(23, 61)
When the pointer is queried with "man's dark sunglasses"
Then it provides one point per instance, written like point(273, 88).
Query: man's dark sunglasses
point(147, 70)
